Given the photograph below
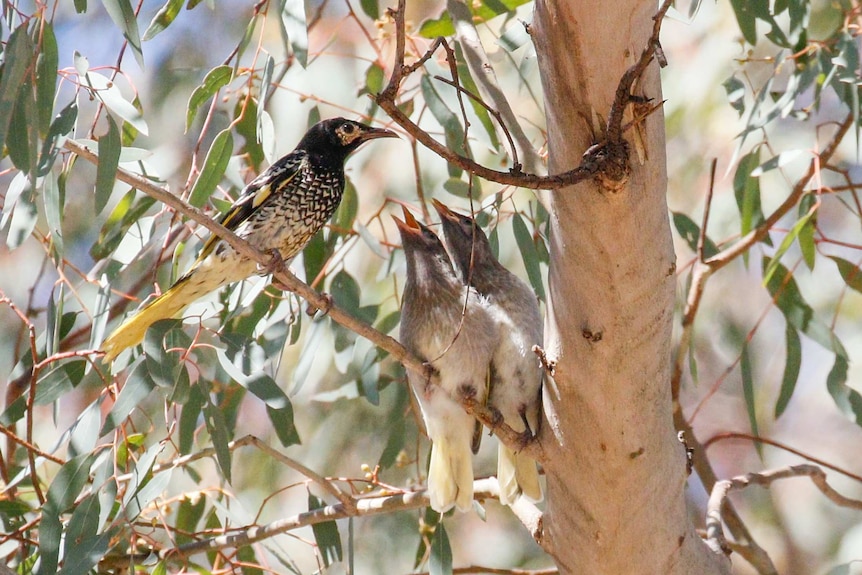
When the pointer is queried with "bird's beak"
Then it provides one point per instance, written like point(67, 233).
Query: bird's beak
point(408, 227)
point(371, 133)
point(445, 213)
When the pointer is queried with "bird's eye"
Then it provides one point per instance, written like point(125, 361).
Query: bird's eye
point(348, 128)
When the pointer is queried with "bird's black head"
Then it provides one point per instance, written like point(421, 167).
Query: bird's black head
point(427, 260)
point(336, 138)
point(467, 242)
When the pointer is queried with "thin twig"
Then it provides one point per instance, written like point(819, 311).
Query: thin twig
point(366, 506)
point(715, 534)
point(777, 444)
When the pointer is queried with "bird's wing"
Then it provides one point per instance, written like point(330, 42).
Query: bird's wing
point(255, 194)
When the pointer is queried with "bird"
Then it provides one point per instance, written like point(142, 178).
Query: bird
point(516, 375)
point(277, 212)
point(452, 328)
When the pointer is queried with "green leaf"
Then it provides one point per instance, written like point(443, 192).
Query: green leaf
point(163, 366)
point(50, 534)
point(163, 18)
point(746, 189)
point(482, 12)
point(24, 130)
point(110, 94)
point(345, 291)
point(294, 24)
point(84, 547)
point(17, 58)
point(371, 8)
point(514, 37)
point(215, 79)
point(262, 386)
point(62, 125)
point(748, 391)
point(214, 167)
point(396, 424)
point(746, 20)
point(430, 520)
point(785, 245)
point(735, 90)
point(785, 292)
point(217, 428)
point(792, 364)
point(440, 561)
point(690, 232)
point(849, 272)
point(345, 214)
point(109, 158)
point(452, 128)
point(189, 419)
point(469, 84)
point(528, 254)
point(24, 217)
point(80, 6)
point(848, 400)
point(137, 387)
point(125, 214)
point(68, 484)
point(325, 535)
point(46, 76)
point(54, 197)
point(248, 118)
point(189, 514)
point(779, 161)
point(123, 16)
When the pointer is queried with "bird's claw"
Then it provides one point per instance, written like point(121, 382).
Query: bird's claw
point(328, 302)
point(525, 438)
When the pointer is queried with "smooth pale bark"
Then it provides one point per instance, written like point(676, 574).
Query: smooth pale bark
point(615, 471)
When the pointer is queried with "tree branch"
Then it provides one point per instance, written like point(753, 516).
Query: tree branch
point(290, 282)
point(365, 507)
point(718, 497)
point(607, 155)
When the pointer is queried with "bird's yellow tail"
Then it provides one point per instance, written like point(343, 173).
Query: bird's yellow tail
point(169, 304)
point(517, 475)
point(450, 476)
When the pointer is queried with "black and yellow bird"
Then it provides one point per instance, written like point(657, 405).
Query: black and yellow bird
point(279, 210)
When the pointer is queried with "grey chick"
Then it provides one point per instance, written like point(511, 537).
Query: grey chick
point(451, 327)
point(516, 375)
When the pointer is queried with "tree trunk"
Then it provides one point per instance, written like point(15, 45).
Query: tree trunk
point(616, 473)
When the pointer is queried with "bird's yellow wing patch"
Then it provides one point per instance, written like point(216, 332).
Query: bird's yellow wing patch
point(253, 196)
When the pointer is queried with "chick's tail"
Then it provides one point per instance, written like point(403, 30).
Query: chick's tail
point(131, 332)
point(450, 476)
point(517, 475)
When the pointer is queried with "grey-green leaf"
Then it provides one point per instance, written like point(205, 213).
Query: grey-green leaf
point(214, 167)
point(792, 364)
point(529, 254)
point(440, 561)
point(109, 158)
point(215, 79)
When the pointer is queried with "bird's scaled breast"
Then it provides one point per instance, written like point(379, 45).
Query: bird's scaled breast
point(294, 213)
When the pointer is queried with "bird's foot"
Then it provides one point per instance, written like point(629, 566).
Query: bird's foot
point(275, 265)
point(496, 417)
point(525, 438)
